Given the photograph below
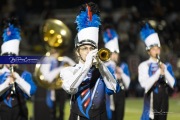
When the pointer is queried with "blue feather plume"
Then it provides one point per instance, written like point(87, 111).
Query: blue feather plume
point(107, 37)
point(83, 21)
point(11, 33)
point(146, 31)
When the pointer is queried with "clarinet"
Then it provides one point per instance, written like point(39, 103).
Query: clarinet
point(13, 89)
point(159, 64)
point(158, 60)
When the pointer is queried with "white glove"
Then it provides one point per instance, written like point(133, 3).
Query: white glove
point(112, 106)
point(4, 86)
point(25, 86)
point(90, 57)
point(16, 75)
point(118, 73)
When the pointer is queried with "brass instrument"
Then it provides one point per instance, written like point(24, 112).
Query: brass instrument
point(56, 84)
point(56, 35)
point(104, 54)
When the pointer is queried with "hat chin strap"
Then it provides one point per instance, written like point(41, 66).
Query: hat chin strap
point(81, 58)
point(79, 55)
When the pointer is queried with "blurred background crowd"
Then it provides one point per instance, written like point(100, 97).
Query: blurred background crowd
point(125, 15)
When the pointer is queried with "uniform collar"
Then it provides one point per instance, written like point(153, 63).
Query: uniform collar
point(80, 64)
point(152, 60)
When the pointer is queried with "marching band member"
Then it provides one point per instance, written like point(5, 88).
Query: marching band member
point(15, 85)
point(117, 100)
point(50, 70)
point(88, 84)
point(155, 77)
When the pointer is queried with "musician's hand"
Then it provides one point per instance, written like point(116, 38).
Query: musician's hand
point(118, 72)
point(15, 75)
point(94, 61)
point(162, 67)
point(11, 79)
point(91, 55)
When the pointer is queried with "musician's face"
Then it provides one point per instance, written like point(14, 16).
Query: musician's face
point(115, 57)
point(83, 51)
point(154, 51)
point(55, 52)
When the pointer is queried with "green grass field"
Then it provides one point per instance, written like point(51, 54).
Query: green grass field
point(133, 109)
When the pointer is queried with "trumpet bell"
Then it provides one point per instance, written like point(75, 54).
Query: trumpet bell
point(104, 54)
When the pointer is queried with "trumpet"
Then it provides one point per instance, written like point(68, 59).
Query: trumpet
point(104, 54)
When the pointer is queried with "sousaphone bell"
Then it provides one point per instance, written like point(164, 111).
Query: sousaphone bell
point(55, 34)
